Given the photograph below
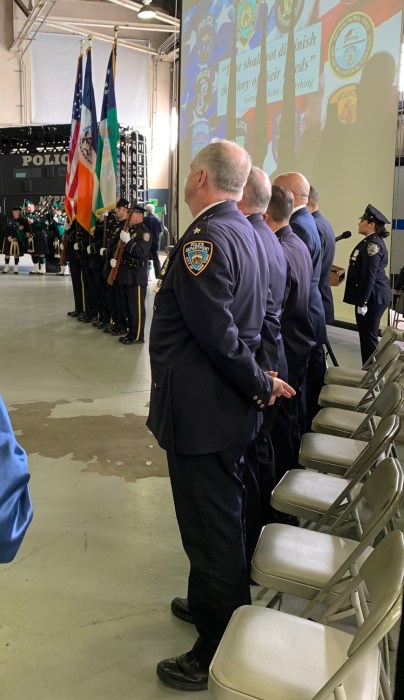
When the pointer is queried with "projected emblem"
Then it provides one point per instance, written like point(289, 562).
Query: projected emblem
point(86, 145)
point(351, 44)
point(197, 256)
point(200, 136)
point(345, 98)
point(203, 92)
point(287, 11)
point(246, 17)
point(205, 39)
point(241, 132)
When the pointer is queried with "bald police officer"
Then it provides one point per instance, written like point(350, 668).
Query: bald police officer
point(367, 285)
point(208, 394)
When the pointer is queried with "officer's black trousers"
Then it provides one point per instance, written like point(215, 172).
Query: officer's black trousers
point(209, 502)
point(154, 255)
point(368, 327)
point(100, 289)
point(75, 276)
point(88, 287)
point(259, 478)
point(134, 297)
point(286, 434)
point(314, 383)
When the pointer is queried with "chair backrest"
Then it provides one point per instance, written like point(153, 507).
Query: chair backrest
point(380, 441)
point(388, 338)
point(382, 574)
point(387, 403)
point(379, 496)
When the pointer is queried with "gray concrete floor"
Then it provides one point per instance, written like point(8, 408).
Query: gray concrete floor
point(84, 607)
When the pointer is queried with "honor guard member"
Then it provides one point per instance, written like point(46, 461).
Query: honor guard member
point(207, 396)
point(304, 226)
point(35, 232)
point(96, 264)
point(259, 472)
point(153, 223)
point(69, 255)
point(14, 242)
point(367, 285)
point(133, 273)
point(118, 323)
point(82, 241)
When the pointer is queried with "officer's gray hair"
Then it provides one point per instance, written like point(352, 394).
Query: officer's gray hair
point(257, 191)
point(281, 205)
point(314, 196)
point(227, 165)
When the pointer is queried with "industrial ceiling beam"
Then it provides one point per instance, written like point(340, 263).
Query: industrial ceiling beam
point(136, 6)
point(105, 24)
point(97, 35)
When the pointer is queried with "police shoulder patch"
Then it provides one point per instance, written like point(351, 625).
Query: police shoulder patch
point(373, 248)
point(197, 256)
point(146, 236)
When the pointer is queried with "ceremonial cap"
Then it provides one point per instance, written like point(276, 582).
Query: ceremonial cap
point(17, 207)
point(122, 203)
point(55, 205)
point(137, 207)
point(374, 215)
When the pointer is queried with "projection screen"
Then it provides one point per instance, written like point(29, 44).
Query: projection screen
point(308, 85)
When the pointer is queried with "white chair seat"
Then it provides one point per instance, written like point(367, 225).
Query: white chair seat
point(307, 494)
point(340, 396)
point(269, 655)
point(303, 560)
point(329, 453)
point(339, 421)
point(344, 376)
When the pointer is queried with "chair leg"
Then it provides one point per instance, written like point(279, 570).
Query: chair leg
point(262, 593)
point(276, 601)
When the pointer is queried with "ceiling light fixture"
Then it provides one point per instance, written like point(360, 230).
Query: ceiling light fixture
point(146, 12)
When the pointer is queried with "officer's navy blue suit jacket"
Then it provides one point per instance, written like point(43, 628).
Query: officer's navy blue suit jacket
point(297, 331)
point(15, 501)
point(274, 261)
point(327, 238)
point(208, 391)
point(303, 225)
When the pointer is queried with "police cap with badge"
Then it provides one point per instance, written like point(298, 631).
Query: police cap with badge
point(122, 202)
point(374, 216)
point(138, 208)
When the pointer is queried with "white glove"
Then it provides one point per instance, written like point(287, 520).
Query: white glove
point(62, 246)
point(89, 249)
point(102, 251)
point(113, 262)
point(124, 236)
point(361, 310)
point(76, 246)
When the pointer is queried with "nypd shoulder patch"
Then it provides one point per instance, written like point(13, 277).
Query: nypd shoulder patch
point(373, 248)
point(197, 256)
point(146, 236)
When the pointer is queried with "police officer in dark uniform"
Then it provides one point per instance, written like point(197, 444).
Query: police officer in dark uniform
point(82, 241)
point(96, 265)
point(133, 273)
point(69, 256)
point(367, 285)
point(208, 394)
point(118, 325)
point(327, 239)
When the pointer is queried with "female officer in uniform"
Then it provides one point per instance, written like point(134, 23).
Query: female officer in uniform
point(367, 285)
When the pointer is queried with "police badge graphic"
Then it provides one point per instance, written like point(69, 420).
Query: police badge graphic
point(203, 92)
point(286, 11)
point(205, 38)
point(197, 256)
point(351, 44)
point(246, 17)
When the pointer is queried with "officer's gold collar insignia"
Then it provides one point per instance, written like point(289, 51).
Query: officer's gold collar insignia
point(197, 256)
point(196, 230)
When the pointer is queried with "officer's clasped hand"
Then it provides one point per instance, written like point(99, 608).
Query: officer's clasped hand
point(89, 249)
point(113, 262)
point(76, 246)
point(124, 236)
point(361, 310)
point(102, 251)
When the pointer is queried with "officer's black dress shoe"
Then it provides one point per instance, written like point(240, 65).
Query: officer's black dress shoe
point(139, 342)
point(128, 340)
point(73, 314)
point(183, 672)
point(80, 316)
point(179, 608)
point(118, 331)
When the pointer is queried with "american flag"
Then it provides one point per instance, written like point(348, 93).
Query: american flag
point(72, 173)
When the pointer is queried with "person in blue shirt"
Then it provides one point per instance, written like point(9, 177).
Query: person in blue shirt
point(15, 500)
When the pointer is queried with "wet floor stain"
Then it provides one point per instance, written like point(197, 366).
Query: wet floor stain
point(108, 445)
